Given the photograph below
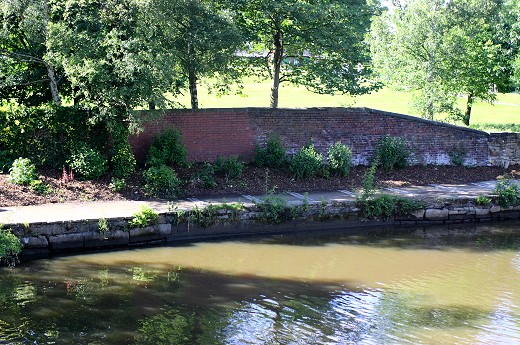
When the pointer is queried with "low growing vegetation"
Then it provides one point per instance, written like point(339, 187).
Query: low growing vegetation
point(507, 192)
point(10, 247)
point(146, 216)
point(23, 172)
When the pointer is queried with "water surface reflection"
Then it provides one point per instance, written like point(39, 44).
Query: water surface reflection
point(420, 288)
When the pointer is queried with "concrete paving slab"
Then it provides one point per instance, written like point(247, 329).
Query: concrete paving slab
point(318, 197)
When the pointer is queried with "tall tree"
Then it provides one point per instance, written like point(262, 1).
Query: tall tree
point(440, 49)
point(26, 73)
point(200, 36)
point(315, 43)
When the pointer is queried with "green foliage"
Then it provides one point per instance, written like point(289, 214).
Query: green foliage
point(123, 162)
point(392, 153)
point(497, 127)
point(274, 155)
point(5, 161)
point(368, 181)
point(273, 209)
point(458, 155)
point(211, 214)
point(22, 172)
point(40, 187)
point(340, 159)
point(161, 181)
point(87, 162)
point(231, 168)
point(103, 226)
point(482, 200)
point(47, 134)
point(385, 206)
point(146, 216)
point(206, 176)
point(10, 247)
point(167, 149)
point(306, 163)
point(506, 191)
point(117, 184)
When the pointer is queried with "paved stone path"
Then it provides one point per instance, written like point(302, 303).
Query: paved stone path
point(113, 209)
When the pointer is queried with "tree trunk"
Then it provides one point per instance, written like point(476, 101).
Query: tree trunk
point(277, 63)
point(192, 79)
point(53, 85)
point(469, 105)
point(151, 105)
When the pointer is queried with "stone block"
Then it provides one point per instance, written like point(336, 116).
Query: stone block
point(482, 212)
point(109, 238)
point(67, 241)
point(495, 209)
point(150, 233)
point(35, 242)
point(436, 214)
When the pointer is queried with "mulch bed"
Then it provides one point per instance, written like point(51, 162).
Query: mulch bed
point(254, 181)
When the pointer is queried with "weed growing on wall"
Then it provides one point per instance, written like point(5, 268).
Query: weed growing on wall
point(146, 216)
point(10, 247)
point(458, 155)
point(272, 209)
point(103, 226)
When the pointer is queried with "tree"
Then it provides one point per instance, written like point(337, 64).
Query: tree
point(201, 38)
point(26, 73)
point(440, 49)
point(314, 43)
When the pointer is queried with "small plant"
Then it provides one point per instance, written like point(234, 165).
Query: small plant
point(368, 181)
point(458, 155)
point(307, 163)
point(167, 149)
point(88, 163)
point(161, 181)
point(206, 176)
point(274, 155)
point(10, 247)
point(123, 162)
point(386, 206)
point(40, 187)
point(22, 172)
point(117, 184)
point(230, 167)
point(103, 226)
point(507, 192)
point(340, 159)
point(146, 216)
point(273, 209)
point(482, 200)
point(392, 153)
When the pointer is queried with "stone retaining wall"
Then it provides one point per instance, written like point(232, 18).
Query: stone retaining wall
point(504, 149)
point(43, 239)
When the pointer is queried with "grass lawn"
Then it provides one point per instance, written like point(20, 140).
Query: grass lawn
point(256, 94)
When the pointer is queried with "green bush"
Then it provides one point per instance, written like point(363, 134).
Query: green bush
point(161, 181)
point(40, 187)
point(206, 176)
point(272, 209)
point(273, 155)
point(458, 155)
point(507, 192)
point(386, 206)
point(22, 172)
point(167, 149)
point(340, 159)
point(123, 162)
point(5, 161)
point(87, 163)
point(482, 200)
point(117, 184)
point(392, 153)
point(307, 163)
point(10, 247)
point(231, 168)
point(46, 134)
point(146, 216)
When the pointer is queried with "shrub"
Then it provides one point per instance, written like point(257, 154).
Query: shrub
point(22, 172)
point(206, 176)
point(10, 247)
point(86, 162)
point(507, 192)
point(123, 162)
point(146, 216)
point(5, 161)
point(161, 181)
point(340, 159)
point(392, 153)
point(117, 184)
point(167, 149)
point(385, 206)
point(458, 155)
point(307, 163)
point(273, 155)
point(40, 187)
point(230, 167)
point(272, 209)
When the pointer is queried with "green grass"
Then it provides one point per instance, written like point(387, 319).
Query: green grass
point(256, 94)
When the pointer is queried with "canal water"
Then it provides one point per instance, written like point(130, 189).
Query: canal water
point(425, 286)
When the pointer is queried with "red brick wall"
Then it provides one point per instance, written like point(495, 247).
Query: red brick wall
point(208, 133)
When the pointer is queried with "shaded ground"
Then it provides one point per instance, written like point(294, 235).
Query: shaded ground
point(254, 181)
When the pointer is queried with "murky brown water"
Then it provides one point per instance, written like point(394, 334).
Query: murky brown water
point(428, 287)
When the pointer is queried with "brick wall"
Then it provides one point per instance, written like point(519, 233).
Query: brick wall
point(208, 133)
